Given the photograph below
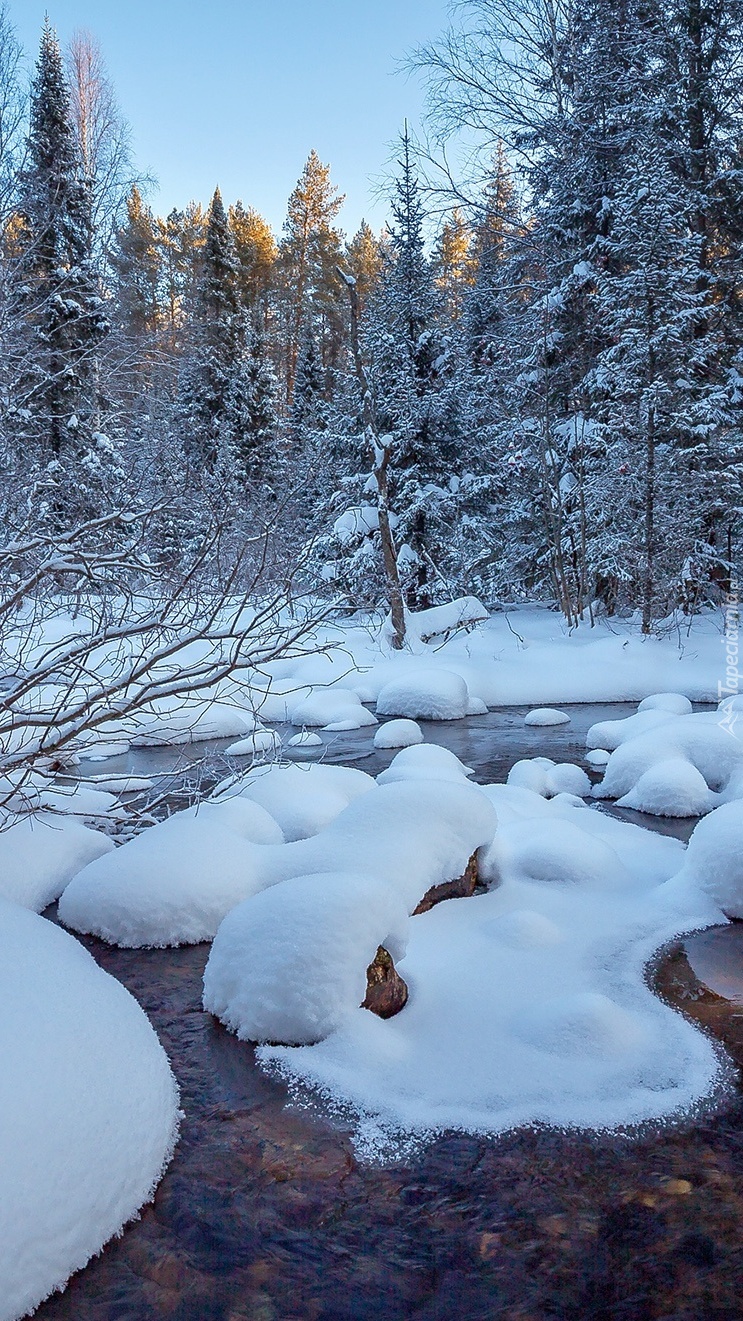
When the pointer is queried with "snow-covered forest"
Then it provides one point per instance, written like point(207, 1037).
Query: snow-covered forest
point(549, 344)
point(370, 699)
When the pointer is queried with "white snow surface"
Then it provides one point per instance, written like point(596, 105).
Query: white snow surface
point(302, 799)
point(89, 1109)
point(40, 853)
point(714, 858)
point(398, 734)
point(683, 766)
point(425, 694)
point(546, 715)
point(290, 963)
point(528, 1004)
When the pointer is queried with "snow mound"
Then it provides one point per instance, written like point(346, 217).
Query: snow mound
point(566, 778)
point(442, 620)
point(305, 740)
point(187, 720)
point(425, 694)
point(586, 1024)
point(714, 858)
point(552, 851)
point(89, 1107)
point(243, 816)
point(546, 715)
point(531, 773)
point(610, 734)
point(398, 734)
point(673, 787)
point(523, 929)
point(290, 964)
point(702, 741)
point(40, 854)
point(676, 703)
point(543, 776)
point(171, 885)
point(332, 706)
point(424, 762)
point(598, 757)
point(255, 744)
point(302, 799)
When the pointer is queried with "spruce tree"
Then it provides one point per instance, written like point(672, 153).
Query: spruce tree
point(216, 344)
point(64, 314)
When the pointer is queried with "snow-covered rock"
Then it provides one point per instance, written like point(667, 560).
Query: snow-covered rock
point(425, 694)
point(332, 706)
point(701, 741)
point(714, 858)
point(40, 854)
point(546, 715)
point(673, 787)
point(424, 762)
point(398, 734)
point(256, 744)
point(187, 720)
point(302, 799)
point(610, 734)
point(171, 885)
point(553, 851)
point(290, 964)
point(676, 703)
point(89, 1109)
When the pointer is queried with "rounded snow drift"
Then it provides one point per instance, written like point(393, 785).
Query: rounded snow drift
point(714, 857)
point(429, 762)
point(425, 694)
point(585, 1024)
point(289, 964)
point(676, 703)
point(89, 1109)
point(673, 787)
point(398, 734)
point(546, 715)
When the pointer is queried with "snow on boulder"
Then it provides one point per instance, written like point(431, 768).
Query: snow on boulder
point(676, 703)
point(302, 799)
point(39, 855)
point(332, 706)
point(171, 885)
point(701, 740)
point(546, 715)
point(306, 739)
point(256, 744)
point(427, 762)
point(673, 787)
point(566, 778)
point(553, 851)
point(425, 694)
point(714, 858)
point(598, 757)
point(610, 734)
point(290, 963)
point(89, 1109)
point(247, 819)
point(398, 734)
point(186, 720)
point(531, 773)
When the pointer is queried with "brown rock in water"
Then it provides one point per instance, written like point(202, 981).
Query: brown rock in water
point(386, 992)
point(461, 888)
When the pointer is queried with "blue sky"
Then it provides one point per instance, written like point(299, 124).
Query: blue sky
point(237, 92)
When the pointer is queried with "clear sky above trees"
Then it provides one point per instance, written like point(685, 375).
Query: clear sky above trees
point(236, 92)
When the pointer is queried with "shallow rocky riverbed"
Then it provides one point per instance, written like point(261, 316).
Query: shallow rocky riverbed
point(266, 1214)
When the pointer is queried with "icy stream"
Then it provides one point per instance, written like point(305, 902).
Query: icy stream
point(267, 1215)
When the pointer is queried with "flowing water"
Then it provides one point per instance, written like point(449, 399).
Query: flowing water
point(266, 1214)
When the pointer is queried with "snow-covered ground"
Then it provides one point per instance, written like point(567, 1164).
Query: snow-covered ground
point(527, 1002)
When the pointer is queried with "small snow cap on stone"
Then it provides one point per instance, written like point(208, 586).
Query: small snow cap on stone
point(546, 715)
